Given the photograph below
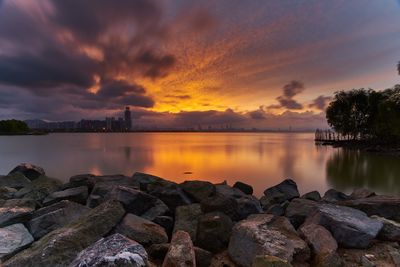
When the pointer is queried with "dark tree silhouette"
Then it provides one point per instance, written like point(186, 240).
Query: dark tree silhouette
point(13, 127)
point(398, 67)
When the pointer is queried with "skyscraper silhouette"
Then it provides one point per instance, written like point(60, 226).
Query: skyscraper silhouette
point(128, 121)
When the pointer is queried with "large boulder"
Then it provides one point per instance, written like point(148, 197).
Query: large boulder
point(362, 193)
point(222, 203)
point(286, 190)
point(390, 230)
point(143, 180)
point(222, 259)
point(7, 192)
point(333, 196)
point(383, 206)
point(214, 231)
point(16, 211)
point(350, 227)
point(13, 238)
point(245, 188)
point(266, 234)
point(40, 188)
point(299, 209)
point(30, 171)
point(186, 219)
point(141, 230)
point(114, 250)
point(52, 217)
point(88, 180)
point(15, 180)
point(60, 247)
point(181, 252)
point(169, 193)
point(198, 190)
point(157, 253)
point(313, 195)
point(75, 194)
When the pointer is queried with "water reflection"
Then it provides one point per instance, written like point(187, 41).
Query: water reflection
point(260, 159)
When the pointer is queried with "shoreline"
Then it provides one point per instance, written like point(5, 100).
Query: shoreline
point(99, 219)
point(366, 146)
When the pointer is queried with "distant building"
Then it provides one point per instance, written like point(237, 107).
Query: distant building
point(128, 120)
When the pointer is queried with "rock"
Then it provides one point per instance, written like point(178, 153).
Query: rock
point(383, 206)
point(299, 209)
point(266, 234)
point(313, 195)
point(362, 193)
point(214, 231)
point(270, 261)
point(221, 203)
point(169, 193)
point(40, 188)
point(198, 190)
point(333, 196)
point(157, 254)
point(7, 192)
point(16, 211)
point(186, 219)
point(286, 190)
point(245, 188)
point(88, 180)
point(144, 179)
point(390, 230)
point(55, 216)
point(181, 252)
point(248, 205)
point(13, 238)
point(165, 222)
point(158, 209)
point(141, 230)
point(327, 260)
point(114, 250)
point(75, 194)
point(320, 240)
point(350, 227)
point(15, 180)
point(203, 257)
point(276, 209)
point(30, 171)
point(222, 260)
point(60, 247)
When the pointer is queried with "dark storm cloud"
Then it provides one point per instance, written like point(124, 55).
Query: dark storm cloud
point(286, 100)
point(321, 102)
point(258, 114)
point(211, 117)
point(119, 88)
point(155, 66)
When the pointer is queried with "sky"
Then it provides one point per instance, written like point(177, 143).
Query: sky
point(269, 64)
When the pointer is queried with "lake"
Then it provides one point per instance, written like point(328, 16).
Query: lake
point(259, 159)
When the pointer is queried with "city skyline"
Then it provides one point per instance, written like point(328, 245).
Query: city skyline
point(177, 64)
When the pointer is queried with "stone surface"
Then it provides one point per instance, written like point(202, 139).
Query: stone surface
point(157, 254)
point(40, 188)
point(214, 231)
point(333, 196)
point(286, 190)
point(299, 209)
point(245, 188)
point(169, 193)
point(75, 194)
point(350, 227)
point(141, 230)
point(15, 180)
point(13, 238)
point(362, 193)
point(383, 206)
point(114, 250)
point(88, 180)
point(221, 203)
point(320, 239)
point(270, 261)
point(181, 252)
point(30, 171)
point(7, 192)
point(222, 260)
point(60, 247)
point(165, 222)
point(266, 234)
point(144, 179)
point(198, 190)
point(203, 257)
point(313, 195)
point(186, 219)
point(16, 211)
point(390, 230)
point(55, 216)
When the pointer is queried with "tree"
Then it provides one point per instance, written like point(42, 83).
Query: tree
point(13, 127)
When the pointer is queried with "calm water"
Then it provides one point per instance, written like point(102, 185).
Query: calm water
point(260, 159)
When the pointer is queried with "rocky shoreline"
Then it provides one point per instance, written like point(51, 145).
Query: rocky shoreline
point(145, 220)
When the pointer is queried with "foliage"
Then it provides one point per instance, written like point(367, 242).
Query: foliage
point(364, 114)
point(13, 127)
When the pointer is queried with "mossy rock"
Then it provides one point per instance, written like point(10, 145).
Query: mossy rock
point(40, 188)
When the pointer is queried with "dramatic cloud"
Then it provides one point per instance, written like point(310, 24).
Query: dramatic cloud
point(321, 102)
point(286, 100)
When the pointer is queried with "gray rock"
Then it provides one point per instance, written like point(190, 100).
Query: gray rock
point(362, 193)
point(16, 211)
point(214, 231)
point(390, 230)
point(60, 247)
point(88, 180)
point(141, 230)
point(299, 209)
point(75, 194)
point(266, 234)
point(169, 193)
point(157, 253)
point(350, 227)
point(320, 239)
point(222, 260)
point(245, 188)
point(181, 252)
point(222, 203)
point(165, 222)
point(248, 205)
point(157, 210)
point(383, 206)
point(286, 190)
point(15, 180)
point(114, 250)
point(52, 217)
point(40, 188)
point(313, 195)
point(198, 190)
point(186, 219)
point(277, 209)
point(203, 257)
point(270, 261)
point(144, 179)
point(13, 238)
point(30, 171)
point(7, 192)
point(333, 196)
